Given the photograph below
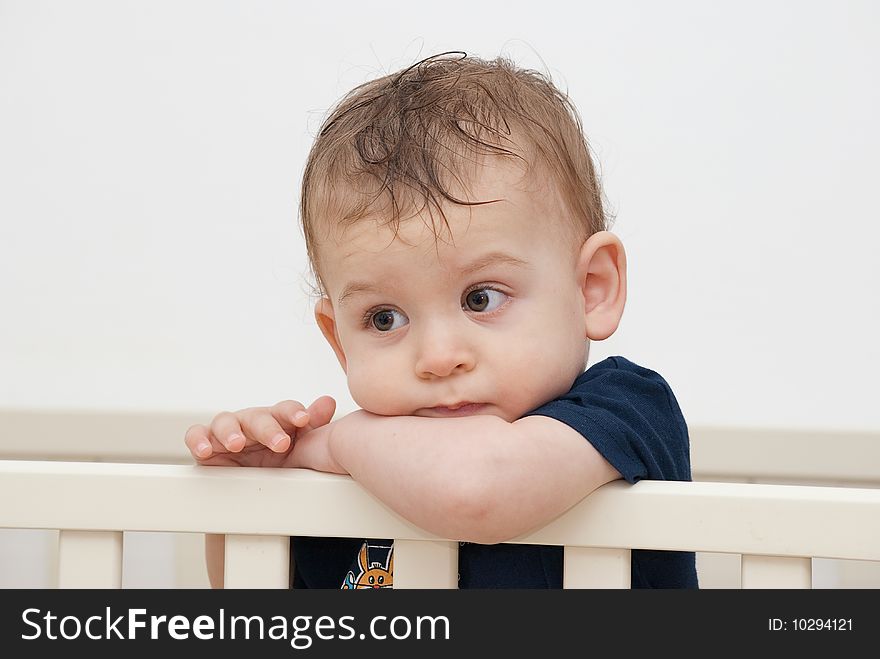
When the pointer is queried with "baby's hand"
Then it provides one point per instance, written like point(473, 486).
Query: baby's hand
point(256, 436)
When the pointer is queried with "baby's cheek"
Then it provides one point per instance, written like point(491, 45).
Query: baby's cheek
point(376, 392)
point(536, 381)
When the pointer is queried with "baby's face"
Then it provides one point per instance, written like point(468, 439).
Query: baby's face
point(492, 324)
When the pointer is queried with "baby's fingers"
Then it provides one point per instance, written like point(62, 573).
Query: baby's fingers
point(321, 411)
point(292, 416)
point(226, 429)
point(198, 441)
point(263, 426)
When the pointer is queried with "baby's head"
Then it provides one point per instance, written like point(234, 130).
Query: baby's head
point(455, 226)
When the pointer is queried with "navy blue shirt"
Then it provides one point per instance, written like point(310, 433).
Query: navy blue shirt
point(630, 415)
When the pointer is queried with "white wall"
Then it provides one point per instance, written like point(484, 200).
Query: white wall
point(150, 153)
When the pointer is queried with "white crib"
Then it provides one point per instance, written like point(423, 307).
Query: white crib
point(775, 529)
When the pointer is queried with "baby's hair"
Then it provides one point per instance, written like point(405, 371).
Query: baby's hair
point(395, 144)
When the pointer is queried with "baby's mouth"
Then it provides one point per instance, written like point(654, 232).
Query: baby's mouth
point(459, 409)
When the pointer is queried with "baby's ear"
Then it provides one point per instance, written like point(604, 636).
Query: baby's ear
point(326, 319)
point(601, 271)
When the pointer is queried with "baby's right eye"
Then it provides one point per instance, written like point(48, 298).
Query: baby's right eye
point(383, 320)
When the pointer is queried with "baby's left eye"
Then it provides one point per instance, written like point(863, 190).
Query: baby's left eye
point(484, 299)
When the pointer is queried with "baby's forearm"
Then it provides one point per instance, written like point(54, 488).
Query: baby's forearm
point(423, 468)
point(477, 478)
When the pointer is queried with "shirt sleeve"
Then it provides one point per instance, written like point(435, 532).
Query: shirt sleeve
point(630, 415)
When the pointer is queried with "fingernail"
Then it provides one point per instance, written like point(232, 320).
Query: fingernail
point(236, 440)
point(277, 440)
point(203, 449)
point(300, 415)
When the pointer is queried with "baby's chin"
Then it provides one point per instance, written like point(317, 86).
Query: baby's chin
point(386, 410)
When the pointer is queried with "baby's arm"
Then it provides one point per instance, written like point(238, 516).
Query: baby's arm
point(477, 478)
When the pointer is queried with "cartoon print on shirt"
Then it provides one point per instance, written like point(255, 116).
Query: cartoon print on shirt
point(372, 574)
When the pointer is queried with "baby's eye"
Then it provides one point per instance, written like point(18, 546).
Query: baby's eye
point(383, 320)
point(484, 299)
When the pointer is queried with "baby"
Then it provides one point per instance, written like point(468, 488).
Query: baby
point(455, 226)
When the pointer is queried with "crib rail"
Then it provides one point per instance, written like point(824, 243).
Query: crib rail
point(765, 455)
point(777, 529)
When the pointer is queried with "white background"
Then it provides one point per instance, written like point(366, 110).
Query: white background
point(150, 156)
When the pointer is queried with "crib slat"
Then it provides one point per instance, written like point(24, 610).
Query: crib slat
point(596, 567)
point(776, 572)
point(425, 564)
point(257, 561)
point(89, 559)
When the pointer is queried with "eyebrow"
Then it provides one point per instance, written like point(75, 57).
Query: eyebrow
point(493, 258)
point(354, 288)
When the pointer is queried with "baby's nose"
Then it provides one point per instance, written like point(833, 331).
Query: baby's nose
point(443, 353)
